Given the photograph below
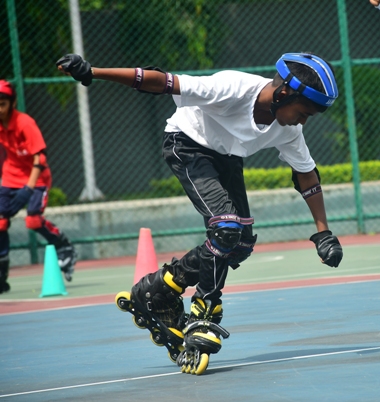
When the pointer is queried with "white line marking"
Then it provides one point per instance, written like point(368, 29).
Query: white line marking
point(176, 373)
point(308, 275)
point(269, 258)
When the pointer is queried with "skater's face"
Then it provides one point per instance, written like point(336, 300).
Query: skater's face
point(5, 107)
point(295, 113)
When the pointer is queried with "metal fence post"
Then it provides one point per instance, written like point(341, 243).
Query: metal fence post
point(18, 79)
point(16, 59)
point(91, 191)
point(350, 107)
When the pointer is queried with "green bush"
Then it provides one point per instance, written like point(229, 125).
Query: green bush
point(263, 179)
point(170, 187)
point(56, 197)
point(257, 179)
point(369, 171)
point(280, 177)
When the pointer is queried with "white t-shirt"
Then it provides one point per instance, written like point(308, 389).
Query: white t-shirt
point(217, 112)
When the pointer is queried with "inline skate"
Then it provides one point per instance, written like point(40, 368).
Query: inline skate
point(4, 271)
point(156, 304)
point(67, 256)
point(202, 336)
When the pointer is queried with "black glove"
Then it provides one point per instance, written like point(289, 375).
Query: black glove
point(19, 201)
point(79, 69)
point(328, 248)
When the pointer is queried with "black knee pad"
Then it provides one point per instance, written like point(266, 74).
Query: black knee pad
point(223, 236)
point(224, 233)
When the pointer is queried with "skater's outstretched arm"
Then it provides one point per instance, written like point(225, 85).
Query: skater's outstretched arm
point(147, 79)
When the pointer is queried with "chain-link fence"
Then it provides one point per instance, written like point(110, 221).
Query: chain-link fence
point(104, 142)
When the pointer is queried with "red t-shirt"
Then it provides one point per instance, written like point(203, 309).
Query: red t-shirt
point(22, 140)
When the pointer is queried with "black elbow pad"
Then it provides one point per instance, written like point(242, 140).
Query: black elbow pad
point(295, 179)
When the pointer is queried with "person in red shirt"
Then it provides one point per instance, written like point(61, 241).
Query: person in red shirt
point(26, 179)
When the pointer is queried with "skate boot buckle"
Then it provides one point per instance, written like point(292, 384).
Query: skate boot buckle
point(208, 324)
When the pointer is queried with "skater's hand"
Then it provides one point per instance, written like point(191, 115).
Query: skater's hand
point(19, 201)
point(74, 65)
point(328, 248)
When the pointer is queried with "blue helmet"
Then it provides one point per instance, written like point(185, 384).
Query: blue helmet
point(321, 68)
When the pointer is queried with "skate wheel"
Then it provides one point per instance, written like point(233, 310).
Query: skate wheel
point(203, 364)
point(123, 301)
point(139, 322)
point(156, 338)
point(181, 348)
point(173, 357)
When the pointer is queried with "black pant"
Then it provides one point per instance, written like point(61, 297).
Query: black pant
point(36, 206)
point(215, 185)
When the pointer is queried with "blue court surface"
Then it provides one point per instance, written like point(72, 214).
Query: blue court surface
point(317, 343)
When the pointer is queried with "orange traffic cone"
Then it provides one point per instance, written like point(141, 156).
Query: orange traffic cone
point(146, 259)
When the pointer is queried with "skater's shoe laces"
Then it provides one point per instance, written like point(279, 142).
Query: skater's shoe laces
point(171, 313)
point(205, 311)
point(162, 298)
point(202, 310)
point(203, 331)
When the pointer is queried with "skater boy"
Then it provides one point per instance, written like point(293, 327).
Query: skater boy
point(220, 119)
point(26, 179)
